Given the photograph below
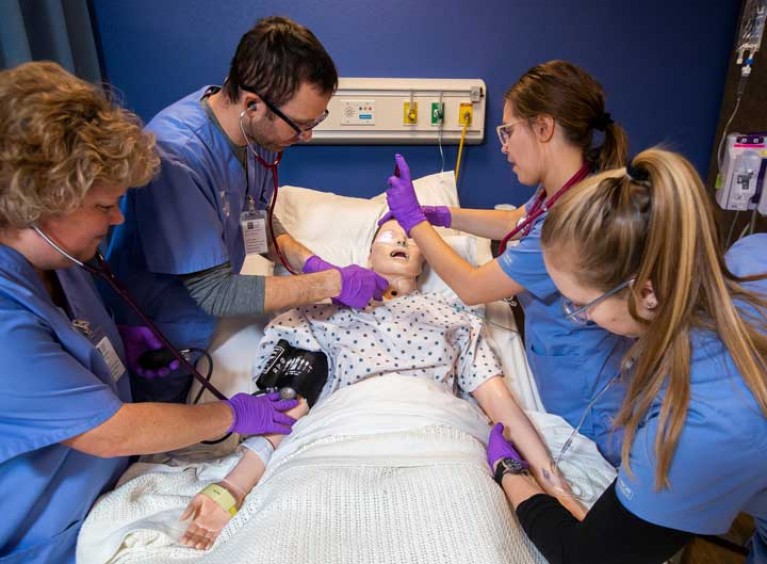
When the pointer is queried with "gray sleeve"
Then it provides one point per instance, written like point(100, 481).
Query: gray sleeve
point(279, 228)
point(222, 293)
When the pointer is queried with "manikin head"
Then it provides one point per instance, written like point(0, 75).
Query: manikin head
point(396, 258)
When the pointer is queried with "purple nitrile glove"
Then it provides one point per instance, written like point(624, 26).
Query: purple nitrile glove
point(498, 447)
point(316, 264)
point(438, 216)
point(261, 415)
point(401, 197)
point(359, 285)
point(138, 340)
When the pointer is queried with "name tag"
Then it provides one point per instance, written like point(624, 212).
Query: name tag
point(108, 353)
point(254, 232)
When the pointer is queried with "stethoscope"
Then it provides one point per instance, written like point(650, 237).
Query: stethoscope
point(103, 271)
point(541, 206)
point(272, 167)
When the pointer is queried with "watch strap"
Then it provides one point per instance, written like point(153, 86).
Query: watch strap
point(509, 465)
point(222, 496)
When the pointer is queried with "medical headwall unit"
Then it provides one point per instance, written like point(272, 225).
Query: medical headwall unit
point(380, 111)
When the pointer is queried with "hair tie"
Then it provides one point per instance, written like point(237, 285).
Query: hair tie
point(600, 123)
point(637, 174)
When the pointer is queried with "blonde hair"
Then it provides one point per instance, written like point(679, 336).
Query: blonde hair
point(58, 136)
point(576, 101)
point(656, 223)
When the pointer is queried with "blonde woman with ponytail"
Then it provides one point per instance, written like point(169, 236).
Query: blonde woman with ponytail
point(555, 132)
point(636, 251)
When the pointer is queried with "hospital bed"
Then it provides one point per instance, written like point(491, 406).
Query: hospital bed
point(390, 470)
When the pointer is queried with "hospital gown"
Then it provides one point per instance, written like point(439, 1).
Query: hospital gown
point(414, 335)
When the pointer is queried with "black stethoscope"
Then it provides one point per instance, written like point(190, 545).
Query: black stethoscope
point(103, 271)
point(541, 206)
point(272, 167)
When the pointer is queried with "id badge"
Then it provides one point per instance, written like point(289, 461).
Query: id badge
point(254, 232)
point(108, 353)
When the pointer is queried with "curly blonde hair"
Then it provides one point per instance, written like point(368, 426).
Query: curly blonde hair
point(59, 136)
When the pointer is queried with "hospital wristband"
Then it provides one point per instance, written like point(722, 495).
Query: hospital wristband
point(222, 496)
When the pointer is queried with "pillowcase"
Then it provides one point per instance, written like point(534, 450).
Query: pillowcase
point(340, 229)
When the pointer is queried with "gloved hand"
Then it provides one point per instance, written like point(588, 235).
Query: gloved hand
point(261, 415)
point(401, 197)
point(359, 285)
point(139, 339)
point(316, 264)
point(438, 216)
point(498, 447)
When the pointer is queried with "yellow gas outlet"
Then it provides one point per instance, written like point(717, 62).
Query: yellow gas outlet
point(410, 115)
point(465, 113)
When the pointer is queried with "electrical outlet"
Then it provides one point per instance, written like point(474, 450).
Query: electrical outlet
point(437, 113)
point(465, 113)
point(410, 115)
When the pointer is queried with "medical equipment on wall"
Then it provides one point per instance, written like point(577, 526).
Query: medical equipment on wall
point(417, 111)
point(740, 183)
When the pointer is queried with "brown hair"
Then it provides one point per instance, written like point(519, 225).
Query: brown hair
point(58, 136)
point(657, 224)
point(576, 101)
point(275, 57)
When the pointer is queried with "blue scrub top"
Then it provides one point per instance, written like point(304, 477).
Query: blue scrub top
point(186, 220)
point(719, 468)
point(54, 385)
point(571, 363)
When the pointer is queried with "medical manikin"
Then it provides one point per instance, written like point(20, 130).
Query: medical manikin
point(433, 340)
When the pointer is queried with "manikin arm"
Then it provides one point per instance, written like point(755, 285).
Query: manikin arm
point(497, 401)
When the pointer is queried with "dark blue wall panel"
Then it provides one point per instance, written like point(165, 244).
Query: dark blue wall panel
point(662, 62)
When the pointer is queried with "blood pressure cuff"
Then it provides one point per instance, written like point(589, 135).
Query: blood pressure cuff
point(304, 371)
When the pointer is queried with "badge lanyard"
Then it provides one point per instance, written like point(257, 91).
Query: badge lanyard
point(541, 206)
point(272, 167)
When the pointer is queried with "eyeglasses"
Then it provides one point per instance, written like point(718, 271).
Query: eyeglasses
point(505, 130)
point(580, 315)
point(297, 128)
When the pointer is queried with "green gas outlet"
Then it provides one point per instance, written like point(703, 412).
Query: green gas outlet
point(437, 113)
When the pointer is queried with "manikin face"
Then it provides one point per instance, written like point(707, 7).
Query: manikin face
point(395, 257)
point(81, 231)
point(521, 148)
point(611, 313)
point(272, 132)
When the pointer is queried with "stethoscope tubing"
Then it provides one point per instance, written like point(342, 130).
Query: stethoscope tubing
point(105, 273)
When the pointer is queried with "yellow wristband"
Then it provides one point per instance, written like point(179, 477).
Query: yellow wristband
point(222, 497)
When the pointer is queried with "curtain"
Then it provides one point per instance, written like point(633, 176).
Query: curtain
point(54, 30)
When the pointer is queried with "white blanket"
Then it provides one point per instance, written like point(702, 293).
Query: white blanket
point(390, 470)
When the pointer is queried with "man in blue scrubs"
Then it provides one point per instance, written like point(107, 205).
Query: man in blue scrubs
point(182, 246)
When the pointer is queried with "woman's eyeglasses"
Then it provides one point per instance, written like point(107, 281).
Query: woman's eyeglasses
point(505, 130)
point(580, 314)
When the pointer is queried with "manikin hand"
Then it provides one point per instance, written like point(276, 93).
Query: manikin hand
point(208, 520)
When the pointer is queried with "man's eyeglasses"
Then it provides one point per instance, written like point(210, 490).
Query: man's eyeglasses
point(580, 314)
point(505, 130)
point(300, 130)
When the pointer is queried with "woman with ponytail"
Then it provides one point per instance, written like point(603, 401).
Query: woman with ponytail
point(636, 251)
point(552, 117)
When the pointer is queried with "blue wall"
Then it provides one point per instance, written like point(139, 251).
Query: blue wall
point(662, 62)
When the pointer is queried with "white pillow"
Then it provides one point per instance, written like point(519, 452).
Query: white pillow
point(340, 229)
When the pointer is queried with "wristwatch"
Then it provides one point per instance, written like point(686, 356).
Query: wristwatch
point(509, 465)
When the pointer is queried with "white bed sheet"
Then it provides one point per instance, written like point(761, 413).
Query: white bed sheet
point(390, 470)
